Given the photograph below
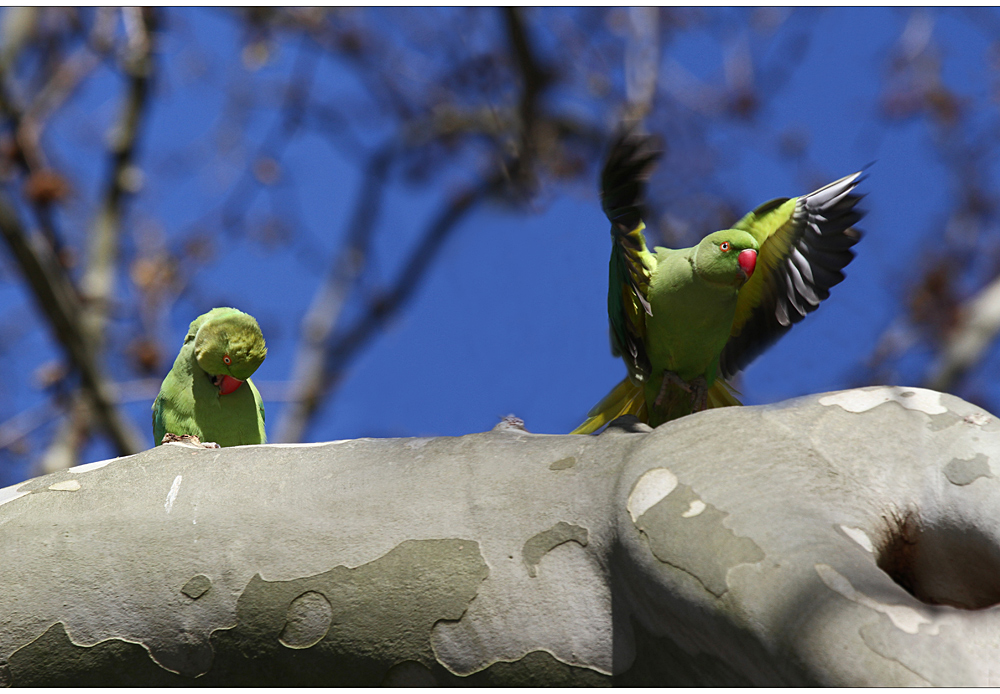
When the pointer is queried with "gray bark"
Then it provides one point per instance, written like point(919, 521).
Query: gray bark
point(842, 539)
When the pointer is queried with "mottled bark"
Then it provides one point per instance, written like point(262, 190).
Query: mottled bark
point(841, 539)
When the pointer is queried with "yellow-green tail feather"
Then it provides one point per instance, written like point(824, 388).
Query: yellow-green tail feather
point(627, 398)
point(624, 398)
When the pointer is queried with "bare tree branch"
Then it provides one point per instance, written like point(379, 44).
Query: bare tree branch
point(97, 284)
point(324, 312)
point(326, 352)
point(642, 60)
point(58, 300)
point(966, 344)
point(79, 327)
point(292, 116)
point(534, 79)
point(344, 348)
point(124, 177)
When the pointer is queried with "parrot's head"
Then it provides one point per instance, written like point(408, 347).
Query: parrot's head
point(229, 347)
point(726, 257)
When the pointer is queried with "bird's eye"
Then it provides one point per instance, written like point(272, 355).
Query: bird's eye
point(724, 246)
point(227, 360)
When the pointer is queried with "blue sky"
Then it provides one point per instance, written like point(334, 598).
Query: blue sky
point(512, 316)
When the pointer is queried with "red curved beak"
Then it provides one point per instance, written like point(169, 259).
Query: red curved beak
point(228, 384)
point(748, 261)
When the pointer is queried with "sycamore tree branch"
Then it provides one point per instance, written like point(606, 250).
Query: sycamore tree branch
point(60, 304)
point(534, 80)
point(62, 84)
point(344, 346)
point(292, 117)
point(104, 241)
point(327, 351)
point(642, 59)
point(328, 303)
point(977, 329)
point(97, 283)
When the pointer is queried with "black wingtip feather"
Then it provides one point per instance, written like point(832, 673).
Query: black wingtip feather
point(826, 235)
point(623, 180)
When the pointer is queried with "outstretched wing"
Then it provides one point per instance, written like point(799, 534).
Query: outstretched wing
point(805, 243)
point(623, 185)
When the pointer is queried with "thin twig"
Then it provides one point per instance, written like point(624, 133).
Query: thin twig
point(25, 422)
point(293, 110)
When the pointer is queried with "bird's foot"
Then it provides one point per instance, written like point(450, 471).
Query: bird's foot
point(670, 377)
point(699, 394)
point(188, 440)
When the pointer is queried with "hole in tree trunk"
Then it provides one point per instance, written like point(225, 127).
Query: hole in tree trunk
point(948, 562)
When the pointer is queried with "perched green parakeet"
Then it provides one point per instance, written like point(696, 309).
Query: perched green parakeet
point(208, 393)
point(686, 320)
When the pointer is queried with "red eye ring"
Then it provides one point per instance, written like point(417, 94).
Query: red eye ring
point(724, 246)
point(227, 360)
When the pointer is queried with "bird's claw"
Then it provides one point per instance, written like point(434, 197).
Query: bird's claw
point(699, 394)
point(670, 377)
point(697, 388)
point(188, 440)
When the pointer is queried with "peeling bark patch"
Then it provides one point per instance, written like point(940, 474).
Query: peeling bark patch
point(653, 486)
point(309, 618)
point(563, 463)
point(536, 669)
point(963, 472)
point(65, 486)
point(197, 586)
point(87, 467)
point(696, 507)
point(859, 536)
point(938, 661)
point(511, 423)
point(700, 545)
point(904, 617)
point(379, 614)
point(172, 494)
point(53, 660)
point(544, 542)
point(9, 494)
point(864, 399)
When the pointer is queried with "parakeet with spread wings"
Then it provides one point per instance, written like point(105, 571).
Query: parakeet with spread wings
point(685, 321)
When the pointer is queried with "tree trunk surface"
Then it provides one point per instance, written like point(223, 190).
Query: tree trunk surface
point(848, 539)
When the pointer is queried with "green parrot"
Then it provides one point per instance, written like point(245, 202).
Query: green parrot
point(208, 393)
point(685, 321)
